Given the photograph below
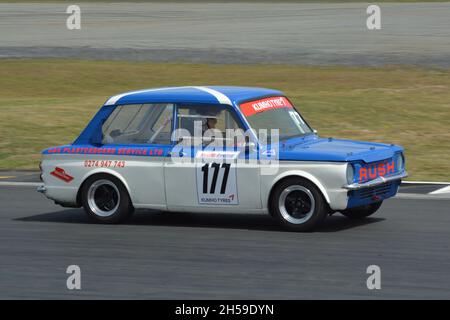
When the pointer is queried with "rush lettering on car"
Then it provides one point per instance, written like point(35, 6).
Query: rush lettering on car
point(373, 171)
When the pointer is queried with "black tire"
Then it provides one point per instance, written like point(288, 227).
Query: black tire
point(363, 211)
point(289, 204)
point(103, 186)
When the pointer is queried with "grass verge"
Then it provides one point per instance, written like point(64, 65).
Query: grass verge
point(48, 102)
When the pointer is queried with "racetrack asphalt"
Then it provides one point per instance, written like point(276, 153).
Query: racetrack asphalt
point(229, 256)
point(289, 33)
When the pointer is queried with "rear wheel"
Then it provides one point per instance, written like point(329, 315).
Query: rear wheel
point(105, 199)
point(363, 211)
point(298, 205)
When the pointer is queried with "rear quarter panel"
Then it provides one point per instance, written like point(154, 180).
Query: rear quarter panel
point(143, 177)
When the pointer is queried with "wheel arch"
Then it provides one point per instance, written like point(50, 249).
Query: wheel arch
point(98, 172)
point(297, 174)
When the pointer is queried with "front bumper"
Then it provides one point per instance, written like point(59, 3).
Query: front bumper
point(376, 182)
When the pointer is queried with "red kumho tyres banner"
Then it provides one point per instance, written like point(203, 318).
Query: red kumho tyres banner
point(253, 107)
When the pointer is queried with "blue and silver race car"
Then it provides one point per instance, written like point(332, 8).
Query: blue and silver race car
point(217, 149)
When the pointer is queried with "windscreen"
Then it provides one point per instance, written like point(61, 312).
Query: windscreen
point(275, 113)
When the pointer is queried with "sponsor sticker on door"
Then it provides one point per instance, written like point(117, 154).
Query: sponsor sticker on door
point(216, 183)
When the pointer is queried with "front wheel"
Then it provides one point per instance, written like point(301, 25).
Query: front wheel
point(105, 199)
point(363, 211)
point(298, 205)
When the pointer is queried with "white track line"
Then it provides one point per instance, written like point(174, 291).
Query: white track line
point(418, 196)
point(426, 182)
point(441, 191)
point(20, 184)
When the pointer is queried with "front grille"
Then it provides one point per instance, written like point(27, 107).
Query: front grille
point(378, 191)
point(367, 196)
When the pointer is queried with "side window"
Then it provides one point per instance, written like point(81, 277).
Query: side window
point(139, 124)
point(162, 127)
point(208, 118)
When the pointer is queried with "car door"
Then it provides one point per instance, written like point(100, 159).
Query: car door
point(204, 172)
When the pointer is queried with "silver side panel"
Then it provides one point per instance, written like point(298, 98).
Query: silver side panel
point(144, 178)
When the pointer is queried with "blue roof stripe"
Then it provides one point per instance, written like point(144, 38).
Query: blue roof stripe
point(207, 95)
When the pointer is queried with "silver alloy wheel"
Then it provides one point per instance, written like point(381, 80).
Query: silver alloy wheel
point(296, 204)
point(103, 198)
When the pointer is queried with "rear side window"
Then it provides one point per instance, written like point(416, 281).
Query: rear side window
point(139, 124)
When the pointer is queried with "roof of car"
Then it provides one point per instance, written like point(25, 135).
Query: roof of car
point(196, 94)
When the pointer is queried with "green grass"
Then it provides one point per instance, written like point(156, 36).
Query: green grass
point(48, 102)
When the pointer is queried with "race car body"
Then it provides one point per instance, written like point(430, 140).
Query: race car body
point(217, 149)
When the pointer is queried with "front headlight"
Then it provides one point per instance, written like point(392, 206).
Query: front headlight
point(350, 173)
point(400, 162)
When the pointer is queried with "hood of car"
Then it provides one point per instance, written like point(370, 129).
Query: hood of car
point(314, 148)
